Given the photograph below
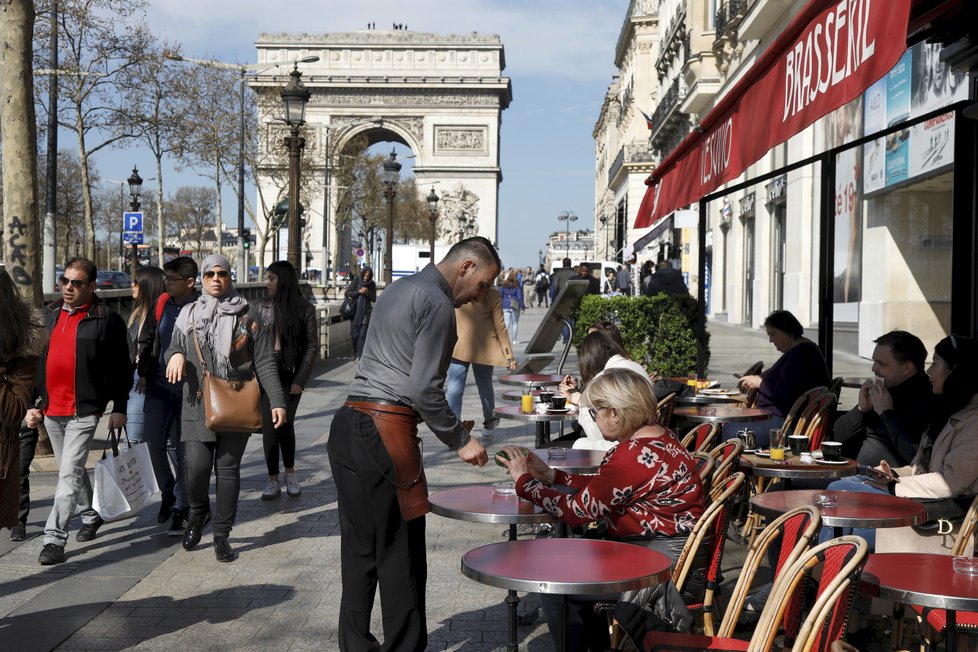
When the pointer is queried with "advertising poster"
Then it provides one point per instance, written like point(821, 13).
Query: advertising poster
point(934, 85)
point(898, 88)
point(874, 119)
point(932, 145)
point(845, 125)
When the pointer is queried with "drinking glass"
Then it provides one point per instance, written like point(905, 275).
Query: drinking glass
point(777, 444)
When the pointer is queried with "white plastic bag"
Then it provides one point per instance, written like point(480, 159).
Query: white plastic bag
point(124, 482)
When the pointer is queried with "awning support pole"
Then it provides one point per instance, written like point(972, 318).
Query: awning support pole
point(701, 293)
point(826, 259)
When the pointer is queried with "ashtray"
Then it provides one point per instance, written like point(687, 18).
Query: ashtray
point(965, 565)
point(556, 452)
point(503, 489)
point(824, 500)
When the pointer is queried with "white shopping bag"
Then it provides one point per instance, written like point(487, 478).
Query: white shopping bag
point(124, 482)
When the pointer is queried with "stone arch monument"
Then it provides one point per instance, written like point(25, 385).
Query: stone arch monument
point(441, 95)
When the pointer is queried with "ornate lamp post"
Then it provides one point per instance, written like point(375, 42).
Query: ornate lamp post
point(391, 169)
point(604, 234)
point(295, 96)
point(135, 186)
point(433, 213)
point(540, 256)
point(567, 217)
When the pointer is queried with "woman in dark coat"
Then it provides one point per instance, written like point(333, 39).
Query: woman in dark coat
point(235, 346)
point(363, 290)
point(292, 321)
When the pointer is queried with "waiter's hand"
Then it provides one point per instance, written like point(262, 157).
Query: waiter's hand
point(473, 452)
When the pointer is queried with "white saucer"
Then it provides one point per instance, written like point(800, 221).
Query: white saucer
point(832, 462)
point(558, 410)
point(762, 453)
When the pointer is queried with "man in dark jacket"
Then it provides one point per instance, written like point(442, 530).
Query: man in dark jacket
point(84, 366)
point(560, 277)
point(584, 274)
point(893, 413)
point(667, 281)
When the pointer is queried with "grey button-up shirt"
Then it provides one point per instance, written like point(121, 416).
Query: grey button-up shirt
point(410, 343)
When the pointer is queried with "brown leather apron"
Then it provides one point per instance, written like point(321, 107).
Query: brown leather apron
point(398, 429)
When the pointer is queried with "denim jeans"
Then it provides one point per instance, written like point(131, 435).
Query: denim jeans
point(162, 434)
point(855, 483)
point(512, 320)
point(135, 418)
point(762, 429)
point(224, 456)
point(71, 438)
point(457, 372)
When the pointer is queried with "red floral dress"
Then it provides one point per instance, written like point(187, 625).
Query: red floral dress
point(645, 486)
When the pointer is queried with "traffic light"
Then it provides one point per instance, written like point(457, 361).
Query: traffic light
point(246, 238)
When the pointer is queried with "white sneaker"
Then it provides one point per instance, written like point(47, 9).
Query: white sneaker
point(272, 490)
point(292, 485)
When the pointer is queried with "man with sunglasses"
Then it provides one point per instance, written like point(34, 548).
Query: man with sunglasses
point(84, 366)
point(163, 399)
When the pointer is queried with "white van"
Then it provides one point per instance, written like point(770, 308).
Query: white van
point(599, 268)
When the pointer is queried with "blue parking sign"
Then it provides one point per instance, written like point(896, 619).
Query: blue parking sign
point(132, 222)
point(131, 238)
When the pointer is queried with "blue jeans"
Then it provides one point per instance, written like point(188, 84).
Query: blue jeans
point(762, 429)
point(71, 438)
point(134, 412)
point(161, 432)
point(457, 371)
point(855, 483)
point(512, 320)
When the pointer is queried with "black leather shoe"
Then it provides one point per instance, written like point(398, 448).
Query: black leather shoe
point(87, 531)
point(195, 528)
point(166, 509)
point(18, 532)
point(223, 550)
point(51, 554)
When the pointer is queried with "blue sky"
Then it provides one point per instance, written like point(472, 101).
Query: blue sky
point(559, 55)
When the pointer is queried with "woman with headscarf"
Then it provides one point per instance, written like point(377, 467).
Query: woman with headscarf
point(291, 320)
point(364, 291)
point(234, 346)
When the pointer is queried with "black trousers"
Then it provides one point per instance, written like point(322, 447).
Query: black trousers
point(224, 457)
point(376, 544)
point(28, 444)
point(284, 437)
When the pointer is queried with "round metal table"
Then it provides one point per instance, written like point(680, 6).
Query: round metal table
point(792, 468)
point(566, 567)
point(922, 579)
point(721, 414)
point(531, 380)
point(517, 395)
point(708, 399)
point(542, 419)
point(577, 460)
point(853, 508)
point(478, 504)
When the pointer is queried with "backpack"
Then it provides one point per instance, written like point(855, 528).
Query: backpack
point(543, 282)
point(160, 305)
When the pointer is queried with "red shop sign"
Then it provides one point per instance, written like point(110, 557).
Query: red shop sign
point(816, 65)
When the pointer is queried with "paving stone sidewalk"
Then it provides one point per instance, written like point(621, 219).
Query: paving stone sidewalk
point(136, 588)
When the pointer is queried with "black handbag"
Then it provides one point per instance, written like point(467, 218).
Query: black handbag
point(349, 307)
point(942, 513)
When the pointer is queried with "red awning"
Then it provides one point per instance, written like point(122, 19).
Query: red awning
point(829, 54)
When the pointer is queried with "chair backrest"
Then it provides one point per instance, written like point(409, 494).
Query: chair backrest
point(665, 407)
point(841, 562)
point(822, 420)
point(835, 387)
point(969, 529)
point(726, 456)
point(704, 467)
point(755, 368)
point(797, 408)
point(700, 438)
point(794, 531)
point(808, 413)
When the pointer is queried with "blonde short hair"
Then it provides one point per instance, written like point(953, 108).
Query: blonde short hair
point(626, 392)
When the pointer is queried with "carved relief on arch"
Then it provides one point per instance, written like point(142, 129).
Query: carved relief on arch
point(461, 140)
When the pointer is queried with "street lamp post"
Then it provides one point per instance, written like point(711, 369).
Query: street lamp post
point(135, 186)
point(295, 96)
point(567, 217)
point(391, 170)
point(433, 213)
point(540, 256)
point(604, 235)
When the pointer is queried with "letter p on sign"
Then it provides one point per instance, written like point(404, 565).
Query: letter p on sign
point(132, 222)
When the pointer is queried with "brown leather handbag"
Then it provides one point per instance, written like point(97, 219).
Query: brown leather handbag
point(229, 405)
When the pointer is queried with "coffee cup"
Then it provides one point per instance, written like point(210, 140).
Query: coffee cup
point(831, 451)
point(545, 397)
point(558, 402)
point(798, 444)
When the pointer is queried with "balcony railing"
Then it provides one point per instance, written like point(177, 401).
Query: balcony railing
point(729, 12)
point(668, 104)
point(616, 166)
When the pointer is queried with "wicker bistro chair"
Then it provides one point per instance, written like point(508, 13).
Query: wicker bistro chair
point(750, 398)
point(665, 408)
point(820, 424)
point(701, 437)
point(794, 530)
point(704, 466)
point(727, 456)
point(934, 621)
point(840, 561)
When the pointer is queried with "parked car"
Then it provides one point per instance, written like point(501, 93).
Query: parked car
point(109, 280)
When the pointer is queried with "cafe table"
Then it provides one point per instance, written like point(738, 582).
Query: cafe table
point(566, 567)
point(721, 414)
point(709, 399)
point(852, 509)
point(480, 504)
point(792, 468)
point(541, 419)
point(517, 394)
point(531, 380)
point(922, 579)
point(574, 460)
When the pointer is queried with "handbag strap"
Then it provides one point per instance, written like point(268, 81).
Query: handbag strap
point(193, 326)
point(113, 441)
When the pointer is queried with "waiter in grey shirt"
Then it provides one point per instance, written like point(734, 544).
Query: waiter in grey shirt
point(374, 449)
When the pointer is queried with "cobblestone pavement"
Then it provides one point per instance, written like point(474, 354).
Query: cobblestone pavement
point(136, 588)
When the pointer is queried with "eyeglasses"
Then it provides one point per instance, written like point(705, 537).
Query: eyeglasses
point(174, 279)
point(76, 283)
point(221, 274)
point(954, 342)
point(594, 413)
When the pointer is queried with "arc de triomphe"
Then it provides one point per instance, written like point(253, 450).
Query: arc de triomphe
point(441, 95)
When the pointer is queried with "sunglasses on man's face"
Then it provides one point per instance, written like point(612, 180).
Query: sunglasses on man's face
point(76, 283)
point(221, 274)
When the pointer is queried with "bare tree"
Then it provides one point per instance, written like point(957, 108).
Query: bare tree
point(71, 203)
point(18, 126)
point(191, 217)
point(100, 41)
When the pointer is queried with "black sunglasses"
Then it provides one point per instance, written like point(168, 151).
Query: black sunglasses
point(76, 283)
point(221, 274)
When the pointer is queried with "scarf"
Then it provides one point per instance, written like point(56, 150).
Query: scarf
point(215, 319)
